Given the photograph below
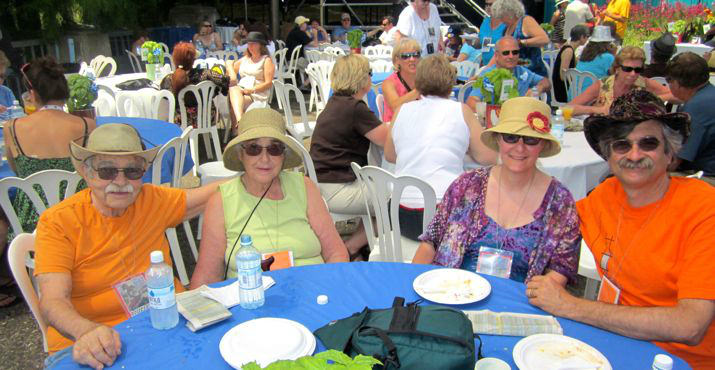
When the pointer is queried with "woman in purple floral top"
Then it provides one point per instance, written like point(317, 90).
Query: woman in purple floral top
point(513, 208)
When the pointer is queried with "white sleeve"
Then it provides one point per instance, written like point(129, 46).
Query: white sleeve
point(404, 23)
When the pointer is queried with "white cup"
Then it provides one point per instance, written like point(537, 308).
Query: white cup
point(491, 363)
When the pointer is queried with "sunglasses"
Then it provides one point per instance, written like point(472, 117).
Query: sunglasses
point(513, 139)
point(111, 173)
point(275, 149)
point(512, 52)
point(208, 25)
point(646, 144)
point(415, 54)
point(638, 70)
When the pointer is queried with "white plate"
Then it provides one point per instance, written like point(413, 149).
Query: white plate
point(451, 286)
point(552, 351)
point(266, 340)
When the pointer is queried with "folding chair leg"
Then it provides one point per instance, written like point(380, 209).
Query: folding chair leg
point(192, 241)
point(207, 146)
point(313, 98)
point(201, 224)
point(176, 255)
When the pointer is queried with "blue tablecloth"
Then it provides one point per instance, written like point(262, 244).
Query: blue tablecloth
point(155, 133)
point(350, 287)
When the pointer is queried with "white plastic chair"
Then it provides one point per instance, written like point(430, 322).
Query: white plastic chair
point(17, 255)
point(380, 102)
point(382, 187)
point(203, 92)
point(299, 130)
point(280, 44)
point(167, 54)
point(147, 103)
point(292, 66)
point(337, 51)
point(307, 161)
point(587, 268)
point(461, 95)
point(549, 63)
point(100, 63)
point(312, 56)
point(319, 75)
point(224, 55)
point(48, 180)
point(575, 80)
point(134, 61)
point(466, 68)
point(378, 52)
point(105, 104)
point(380, 66)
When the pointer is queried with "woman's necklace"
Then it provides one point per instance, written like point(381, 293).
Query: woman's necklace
point(52, 107)
point(516, 216)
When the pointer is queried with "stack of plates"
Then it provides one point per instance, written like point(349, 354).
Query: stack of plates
point(266, 340)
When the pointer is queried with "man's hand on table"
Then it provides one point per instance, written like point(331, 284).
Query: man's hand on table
point(546, 293)
point(98, 347)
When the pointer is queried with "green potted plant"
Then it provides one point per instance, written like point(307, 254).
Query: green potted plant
point(153, 55)
point(83, 92)
point(354, 40)
point(330, 359)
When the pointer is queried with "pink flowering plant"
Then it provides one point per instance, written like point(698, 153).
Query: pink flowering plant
point(647, 22)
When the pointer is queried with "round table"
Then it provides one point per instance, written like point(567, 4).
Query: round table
point(154, 133)
point(350, 287)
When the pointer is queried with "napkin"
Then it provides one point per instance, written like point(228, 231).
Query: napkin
point(228, 295)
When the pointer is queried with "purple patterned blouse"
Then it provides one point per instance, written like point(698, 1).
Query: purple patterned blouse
point(460, 219)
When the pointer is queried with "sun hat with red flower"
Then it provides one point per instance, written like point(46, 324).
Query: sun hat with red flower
point(524, 116)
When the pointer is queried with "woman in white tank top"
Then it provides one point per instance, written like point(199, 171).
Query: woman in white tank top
point(430, 137)
point(254, 75)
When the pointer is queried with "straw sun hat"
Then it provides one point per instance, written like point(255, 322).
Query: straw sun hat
point(112, 139)
point(525, 117)
point(255, 124)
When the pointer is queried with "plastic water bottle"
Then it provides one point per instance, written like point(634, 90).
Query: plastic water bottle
point(535, 92)
point(662, 362)
point(250, 275)
point(16, 110)
point(162, 297)
point(557, 128)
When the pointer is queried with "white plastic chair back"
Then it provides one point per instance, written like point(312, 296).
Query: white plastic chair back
point(461, 95)
point(208, 63)
point(380, 102)
point(280, 44)
point(18, 254)
point(660, 80)
point(327, 56)
point(223, 55)
point(134, 61)
point(159, 104)
point(380, 66)
point(293, 63)
point(549, 59)
point(105, 104)
point(131, 104)
point(307, 161)
point(280, 59)
point(303, 128)
point(312, 55)
point(382, 186)
point(697, 175)
point(575, 80)
point(382, 52)
point(167, 55)
point(337, 51)
point(100, 63)
point(319, 75)
point(466, 68)
point(203, 92)
point(48, 180)
point(185, 138)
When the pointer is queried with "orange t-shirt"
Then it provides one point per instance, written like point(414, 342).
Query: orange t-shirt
point(99, 251)
point(663, 252)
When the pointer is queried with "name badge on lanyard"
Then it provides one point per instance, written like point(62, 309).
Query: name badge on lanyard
point(495, 262)
point(132, 294)
point(608, 292)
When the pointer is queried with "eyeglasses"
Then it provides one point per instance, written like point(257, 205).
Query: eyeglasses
point(384, 24)
point(111, 173)
point(512, 52)
point(208, 25)
point(275, 149)
point(626, 69)
point(487, 5)
point(23, 70)
point(513, 139)
point(414, 54)
point(646, 144)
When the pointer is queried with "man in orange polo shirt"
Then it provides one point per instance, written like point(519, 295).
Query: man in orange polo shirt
point(651, 236)
point(92, 248)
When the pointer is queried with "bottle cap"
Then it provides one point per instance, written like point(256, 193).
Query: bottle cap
point(322, 299)
point(246, 239)
point(559, 112)
point(156, 257)
point(662, 362)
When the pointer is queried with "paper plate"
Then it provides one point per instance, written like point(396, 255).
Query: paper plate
point(451, 286)
point(553, 351)
point(266, 340)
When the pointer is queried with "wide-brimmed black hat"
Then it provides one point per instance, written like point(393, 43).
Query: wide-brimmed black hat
point(256, 37)
point(634, 107)
point(664, 45)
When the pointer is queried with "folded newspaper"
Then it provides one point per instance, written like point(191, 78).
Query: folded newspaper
point(512, 324)
point(206, 306)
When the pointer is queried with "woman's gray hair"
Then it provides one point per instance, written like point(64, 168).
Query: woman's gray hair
point(504, 8)
point(673, 139)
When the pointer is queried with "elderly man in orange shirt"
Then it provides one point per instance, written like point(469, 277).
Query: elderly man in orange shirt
point(92, 247)
point(651, 236)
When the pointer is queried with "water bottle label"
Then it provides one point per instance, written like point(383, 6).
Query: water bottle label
point(250, 279)
point(161, 298)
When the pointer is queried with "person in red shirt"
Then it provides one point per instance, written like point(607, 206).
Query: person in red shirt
point(650, 234)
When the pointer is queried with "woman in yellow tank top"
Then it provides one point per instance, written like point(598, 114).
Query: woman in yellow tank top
point(282, 211)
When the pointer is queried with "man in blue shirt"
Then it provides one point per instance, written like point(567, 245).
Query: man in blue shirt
point(688, 79)
point(6, 95)
point(507, 56)
point(340, 33)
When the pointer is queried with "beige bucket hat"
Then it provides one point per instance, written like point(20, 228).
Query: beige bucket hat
point(524, 116)
point(258, 123)
point(112, 139)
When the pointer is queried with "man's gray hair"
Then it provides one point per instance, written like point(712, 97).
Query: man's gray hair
point(511, 8)
point(673, 139)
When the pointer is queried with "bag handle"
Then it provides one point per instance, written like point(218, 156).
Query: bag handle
point(391, 357)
